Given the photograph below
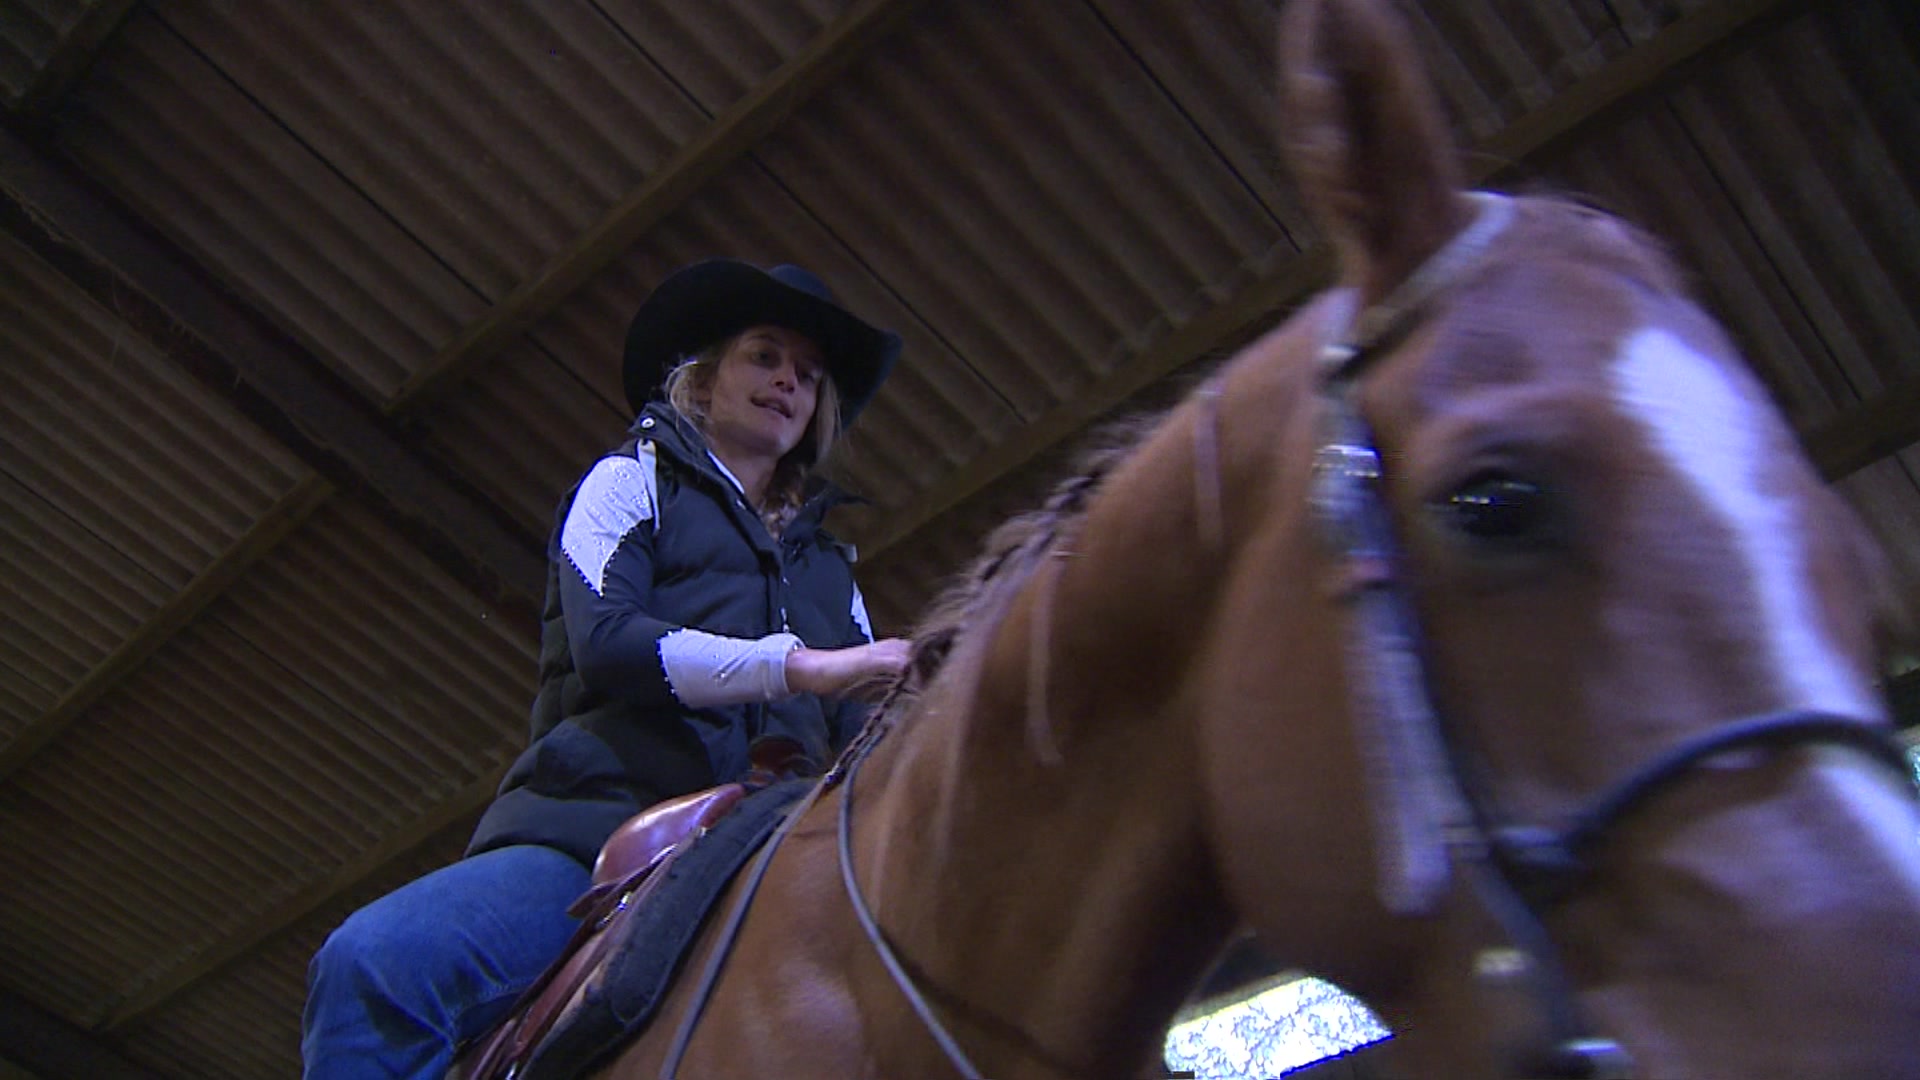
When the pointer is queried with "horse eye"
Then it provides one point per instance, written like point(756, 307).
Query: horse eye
point(1501, 509)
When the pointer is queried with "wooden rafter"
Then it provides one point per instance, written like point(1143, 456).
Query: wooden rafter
point(282, 518)
point(48, 1046)
point(1878, 428)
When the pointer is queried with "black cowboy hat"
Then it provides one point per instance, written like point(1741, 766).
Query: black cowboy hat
point(711, 301)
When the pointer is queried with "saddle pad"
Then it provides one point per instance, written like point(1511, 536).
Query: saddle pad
point(619, 1002)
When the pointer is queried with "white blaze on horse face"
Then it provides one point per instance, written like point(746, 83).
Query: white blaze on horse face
point(1714, 435)
point(1886, 810)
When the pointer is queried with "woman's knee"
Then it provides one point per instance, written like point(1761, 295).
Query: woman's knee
point(371, 951)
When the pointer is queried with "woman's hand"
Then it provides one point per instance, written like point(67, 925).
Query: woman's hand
point(837, 672)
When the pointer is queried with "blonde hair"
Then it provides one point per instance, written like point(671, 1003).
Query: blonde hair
point(692, 379)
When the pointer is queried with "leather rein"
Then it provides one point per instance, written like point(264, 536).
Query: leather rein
point(1429, 807)
point(842, 773)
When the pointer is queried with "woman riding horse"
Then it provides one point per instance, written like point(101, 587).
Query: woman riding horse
point(1480, 639)
point(696, 608)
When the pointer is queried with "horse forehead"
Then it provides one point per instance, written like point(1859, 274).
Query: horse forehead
point(1538, 325)
point(1715, 435)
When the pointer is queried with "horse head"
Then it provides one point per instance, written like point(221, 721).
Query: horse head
point(1605, 642)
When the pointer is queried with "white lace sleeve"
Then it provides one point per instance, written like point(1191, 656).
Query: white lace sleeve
point(616, 495)
point(708, 669)
point(860, 614)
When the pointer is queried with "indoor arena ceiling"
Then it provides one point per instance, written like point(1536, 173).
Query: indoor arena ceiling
point(310, 309)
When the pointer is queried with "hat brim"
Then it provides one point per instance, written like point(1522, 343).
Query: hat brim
point(713, 300)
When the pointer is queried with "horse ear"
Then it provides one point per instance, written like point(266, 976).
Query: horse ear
point(1364, 134)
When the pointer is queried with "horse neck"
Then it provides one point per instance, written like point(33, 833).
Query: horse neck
point(1041, 861)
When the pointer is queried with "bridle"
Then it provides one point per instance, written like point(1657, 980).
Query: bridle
point(1430, 808)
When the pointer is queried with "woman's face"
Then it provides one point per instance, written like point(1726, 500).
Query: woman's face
point(763, 394)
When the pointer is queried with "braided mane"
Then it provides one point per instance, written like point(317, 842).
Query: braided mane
point(976, 598)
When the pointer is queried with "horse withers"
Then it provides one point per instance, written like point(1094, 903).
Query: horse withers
point(1480, 639)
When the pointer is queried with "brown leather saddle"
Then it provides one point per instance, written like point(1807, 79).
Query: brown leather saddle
point(630, 865)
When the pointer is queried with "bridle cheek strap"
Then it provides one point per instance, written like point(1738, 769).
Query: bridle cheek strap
point(1414, 796)
point(1428, 815)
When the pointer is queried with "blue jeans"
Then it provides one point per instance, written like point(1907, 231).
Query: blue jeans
point(399, 985)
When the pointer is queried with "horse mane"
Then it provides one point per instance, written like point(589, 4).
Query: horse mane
point(975, 599)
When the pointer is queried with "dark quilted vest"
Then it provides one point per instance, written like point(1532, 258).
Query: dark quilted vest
point(594, 761)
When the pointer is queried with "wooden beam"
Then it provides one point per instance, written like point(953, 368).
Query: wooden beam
point(1620, 84)
point(731, 136)
point(47, 1045)
point(148, 994)
point(75, 52)
point(267, 531)
point(236, 352)
point(1670, 56)
point(1877, 428)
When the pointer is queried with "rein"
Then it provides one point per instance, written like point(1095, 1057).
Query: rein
point(1427, 807)
point(842, 773)
point(723, 947)
point(908, 988)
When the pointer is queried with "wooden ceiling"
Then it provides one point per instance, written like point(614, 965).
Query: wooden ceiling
point(309, 309)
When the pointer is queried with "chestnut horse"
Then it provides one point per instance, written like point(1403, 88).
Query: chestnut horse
point(1478, 639)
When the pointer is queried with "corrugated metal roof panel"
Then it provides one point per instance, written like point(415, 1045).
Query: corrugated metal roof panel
point(1799, 213)
point(557, 428)
point(124, 478)
point(243, 1020)
point(190, 150)
point(374, 121)
point(1496, 62)
point(567, 119)
point(1055, 220)
point(284, 733)
point(1231, 96)
point(717, 52)
point(1831, 185)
